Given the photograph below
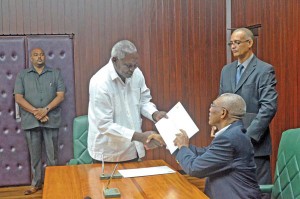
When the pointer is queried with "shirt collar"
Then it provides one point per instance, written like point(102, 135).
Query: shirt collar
point(112, 71)
point(222, 130)
point(46, 69)
point(246, 63)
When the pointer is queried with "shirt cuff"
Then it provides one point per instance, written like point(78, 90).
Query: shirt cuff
point(128, 133)
point(150, 112)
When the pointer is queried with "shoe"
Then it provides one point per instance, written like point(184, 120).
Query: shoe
point(32, 190)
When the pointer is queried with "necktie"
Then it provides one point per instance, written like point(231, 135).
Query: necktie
point(239, 73)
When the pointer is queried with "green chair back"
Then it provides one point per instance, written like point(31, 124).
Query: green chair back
point(287, 174)
point(80, 132)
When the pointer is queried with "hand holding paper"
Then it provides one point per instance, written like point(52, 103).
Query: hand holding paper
point(178, 119)
point(158, 115)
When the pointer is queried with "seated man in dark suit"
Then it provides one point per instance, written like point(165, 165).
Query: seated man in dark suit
point(228, 162)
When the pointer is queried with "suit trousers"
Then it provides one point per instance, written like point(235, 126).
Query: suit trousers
point(263, 169)
point(263, 172)
point(35, 138)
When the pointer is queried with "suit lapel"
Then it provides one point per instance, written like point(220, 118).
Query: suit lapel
point(233, 74)
point(250, 68)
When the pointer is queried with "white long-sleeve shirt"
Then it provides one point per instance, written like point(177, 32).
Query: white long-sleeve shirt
point(114, 114)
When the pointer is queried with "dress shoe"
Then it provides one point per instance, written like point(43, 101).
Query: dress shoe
point(32, 190)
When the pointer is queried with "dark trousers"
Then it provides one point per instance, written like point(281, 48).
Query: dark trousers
point(34, 138)
point(263, 172)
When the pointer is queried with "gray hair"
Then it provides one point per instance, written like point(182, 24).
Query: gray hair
point(235, 104)
point(248, 33)
point(121, 48)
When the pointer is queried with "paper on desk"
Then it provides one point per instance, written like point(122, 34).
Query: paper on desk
point(178, 119)
point(129, 173)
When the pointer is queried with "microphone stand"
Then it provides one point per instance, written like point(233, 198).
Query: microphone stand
point(111, 192)
point(104, 176)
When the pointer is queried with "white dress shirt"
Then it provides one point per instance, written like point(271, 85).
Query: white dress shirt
point(246, 63)
point(222, 130)
point(114, 114)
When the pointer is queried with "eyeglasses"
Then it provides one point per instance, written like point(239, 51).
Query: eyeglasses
point(131, 67)
point(236, 42)
point(212, 105)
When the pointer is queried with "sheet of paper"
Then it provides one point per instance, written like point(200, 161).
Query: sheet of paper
point(129, 173)
point(178, 118)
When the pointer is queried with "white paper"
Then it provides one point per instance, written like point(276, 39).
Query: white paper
point(178, 119)
point(129, 173)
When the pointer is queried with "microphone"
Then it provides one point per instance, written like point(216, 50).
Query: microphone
point(104, 176)
point(111, 192)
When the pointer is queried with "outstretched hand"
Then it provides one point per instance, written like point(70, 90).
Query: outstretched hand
point(150, 139)
point(154, 140)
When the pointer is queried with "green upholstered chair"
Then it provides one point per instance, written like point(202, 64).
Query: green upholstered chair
point(80, 131)
point(287, 174)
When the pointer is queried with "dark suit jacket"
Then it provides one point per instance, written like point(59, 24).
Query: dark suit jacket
point(228, 164)
point(257, 88)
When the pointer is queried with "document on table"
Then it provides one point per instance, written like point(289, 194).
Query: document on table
point(178, 119)
point(129, 173)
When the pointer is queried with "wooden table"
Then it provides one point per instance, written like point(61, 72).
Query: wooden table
point(80, 181)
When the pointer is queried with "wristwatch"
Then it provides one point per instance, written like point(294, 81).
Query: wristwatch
point(47, 108)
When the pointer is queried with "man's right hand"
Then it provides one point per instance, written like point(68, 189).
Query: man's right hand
point(154, 140)
point(150, 139)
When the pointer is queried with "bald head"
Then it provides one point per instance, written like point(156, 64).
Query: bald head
point(235, 105)
point(246, 33)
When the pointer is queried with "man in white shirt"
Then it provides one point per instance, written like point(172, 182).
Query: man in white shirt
point(118, 96)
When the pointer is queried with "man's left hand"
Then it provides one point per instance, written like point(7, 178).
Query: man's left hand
point(40, 113)
point(181, 139)
point(44, 119)
point(157, 115)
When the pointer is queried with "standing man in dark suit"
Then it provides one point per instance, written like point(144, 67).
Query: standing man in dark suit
point(254, 80)
point(228, 162)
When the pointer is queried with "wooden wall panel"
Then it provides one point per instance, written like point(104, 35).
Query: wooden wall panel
point(184, 44)
point(5, 17)
point(279, 45)
point(181, 44)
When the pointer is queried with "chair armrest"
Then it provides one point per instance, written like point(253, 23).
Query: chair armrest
point(266, 188)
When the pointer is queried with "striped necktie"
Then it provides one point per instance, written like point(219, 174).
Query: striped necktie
point(239, 73)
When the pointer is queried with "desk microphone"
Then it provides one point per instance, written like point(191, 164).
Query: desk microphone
point(111, 192)
point(104, 176)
